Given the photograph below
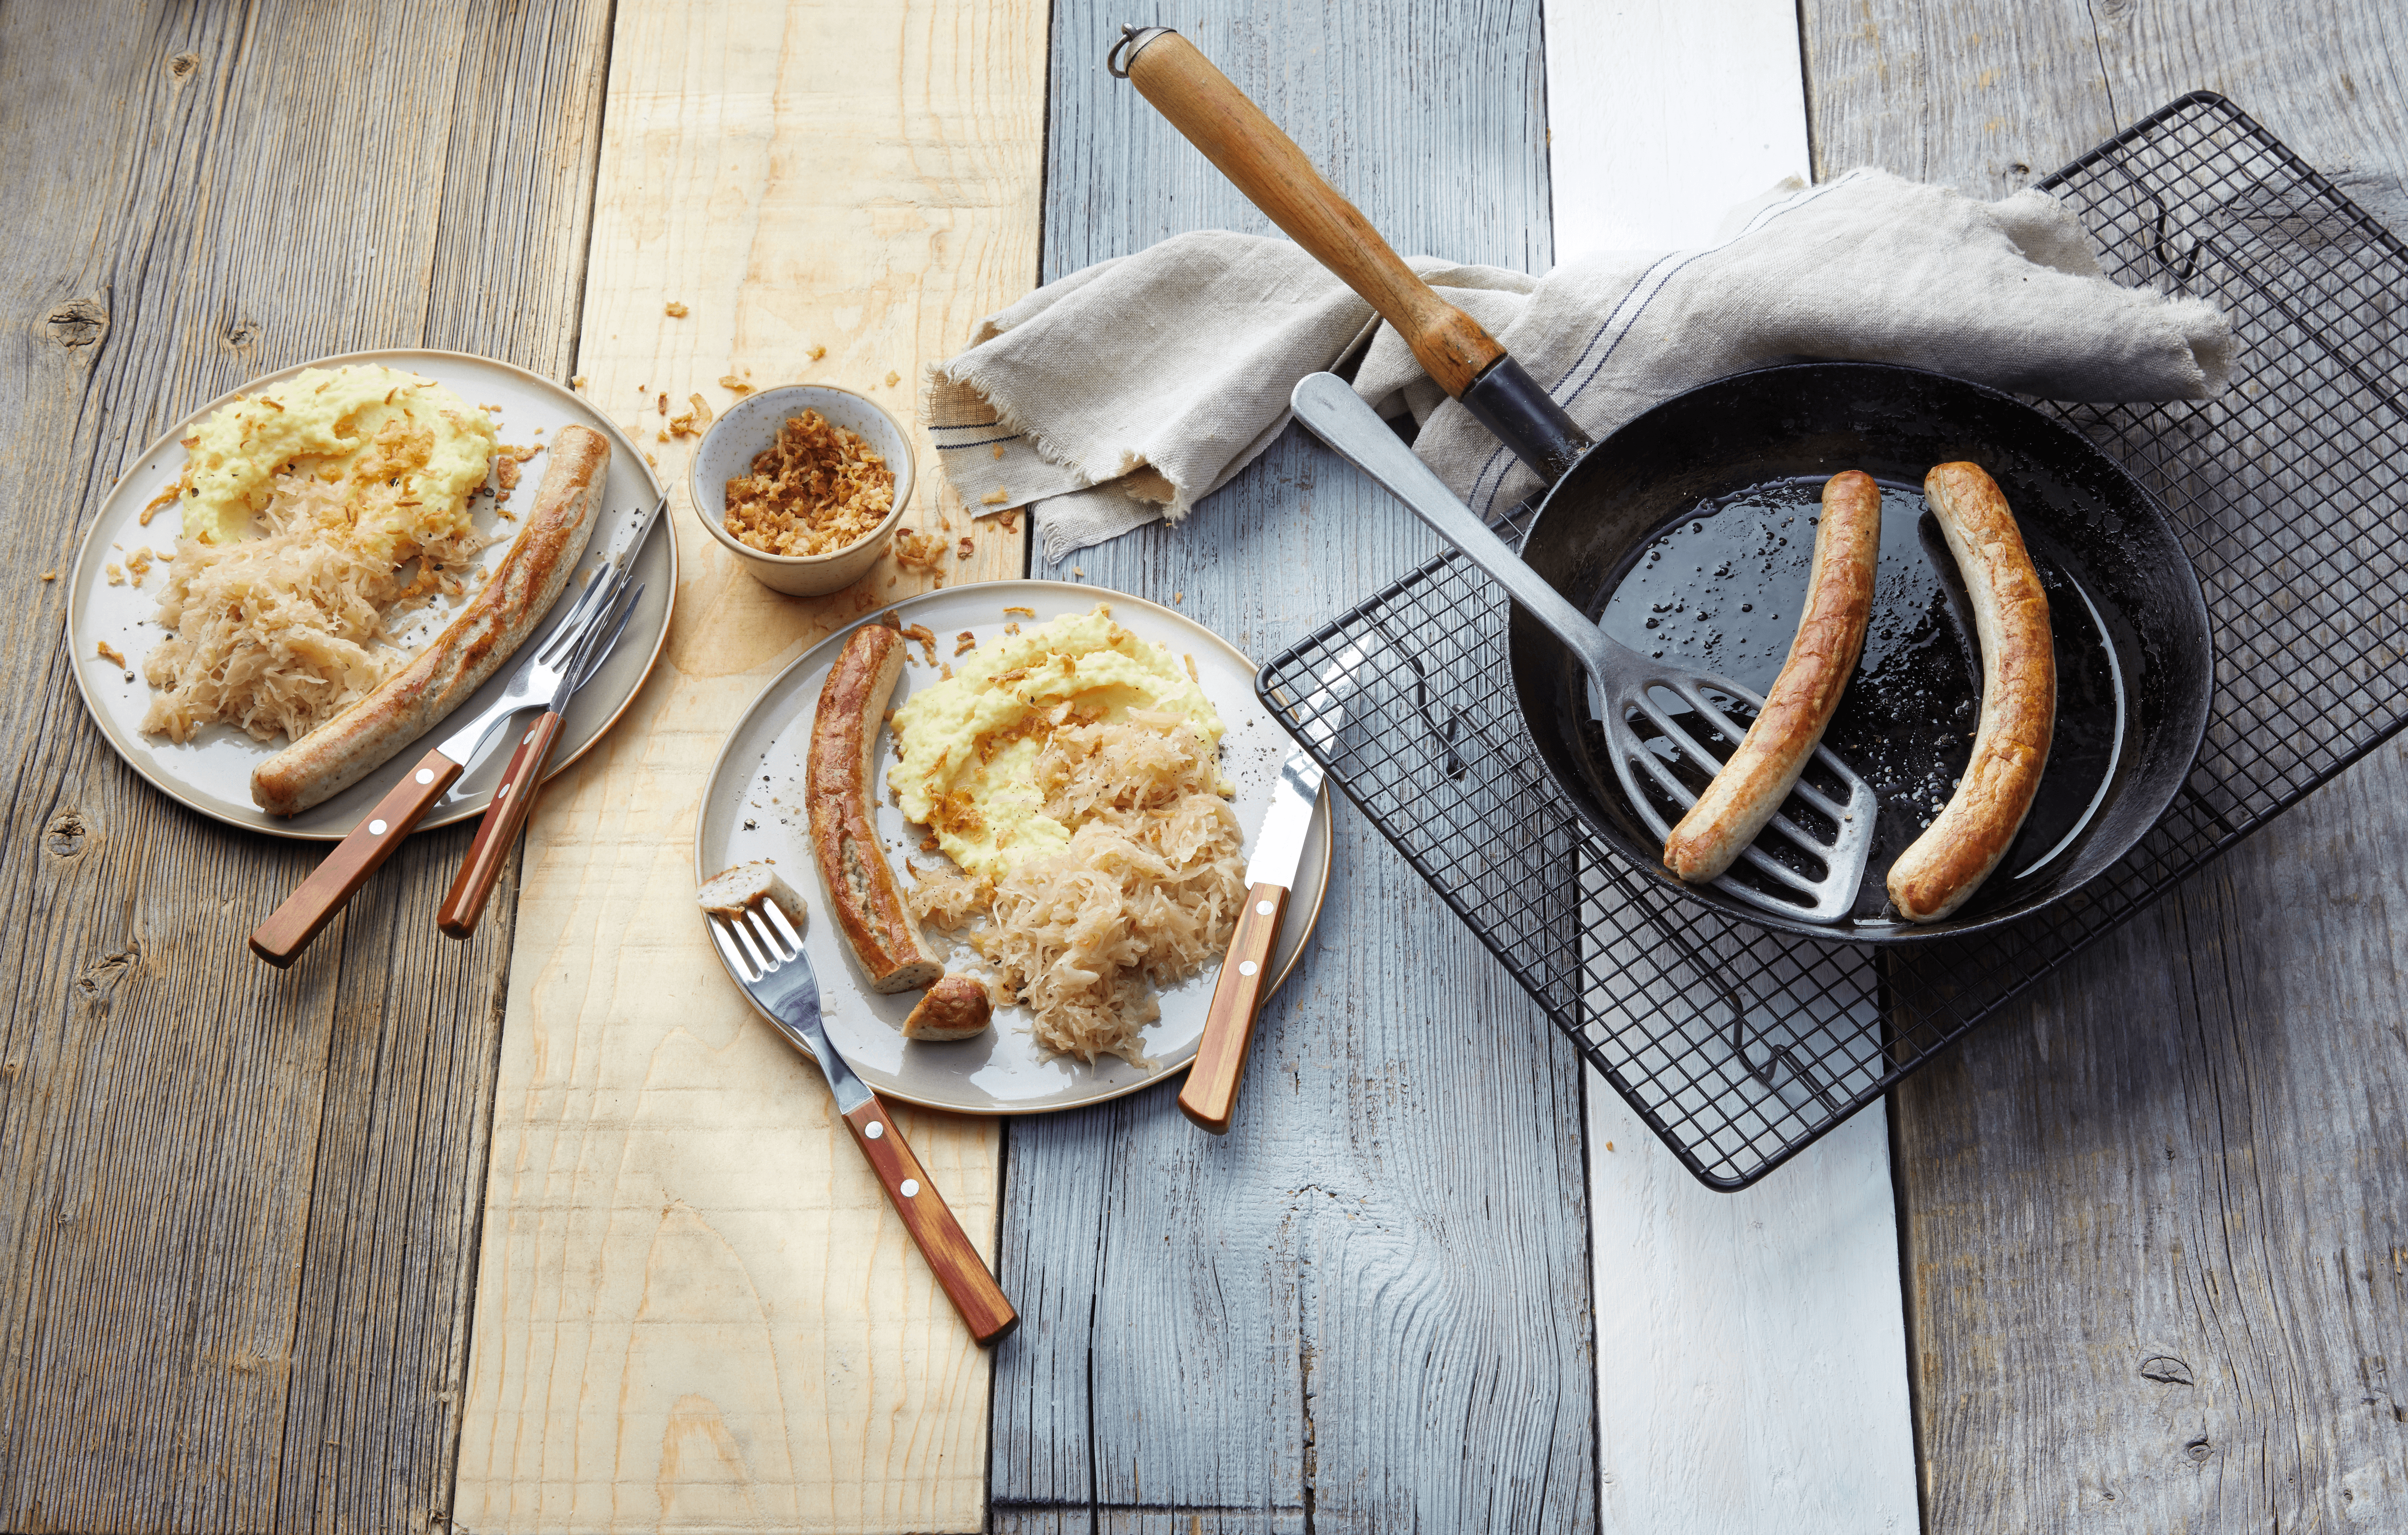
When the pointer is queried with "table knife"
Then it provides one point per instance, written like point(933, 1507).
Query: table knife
point(1210, 1094)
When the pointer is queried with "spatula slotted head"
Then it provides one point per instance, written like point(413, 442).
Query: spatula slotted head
point(1669, 731)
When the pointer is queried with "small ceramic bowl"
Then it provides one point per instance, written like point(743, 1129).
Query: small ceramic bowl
point(749, 425)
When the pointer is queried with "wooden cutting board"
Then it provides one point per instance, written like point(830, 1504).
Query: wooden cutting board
point(693, 1308)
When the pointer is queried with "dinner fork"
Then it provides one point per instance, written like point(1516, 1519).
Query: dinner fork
point(338, 877)
point(767, 954)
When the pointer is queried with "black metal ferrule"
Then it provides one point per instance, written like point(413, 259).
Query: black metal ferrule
point(1526, 418)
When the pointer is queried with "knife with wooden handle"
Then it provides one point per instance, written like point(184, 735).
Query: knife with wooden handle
point(1210, 1097)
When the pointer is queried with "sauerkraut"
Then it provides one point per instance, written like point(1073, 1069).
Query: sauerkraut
point(1146, 894)
point(281, 631)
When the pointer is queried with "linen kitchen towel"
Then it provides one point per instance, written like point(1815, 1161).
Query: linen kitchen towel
point(1132, 389)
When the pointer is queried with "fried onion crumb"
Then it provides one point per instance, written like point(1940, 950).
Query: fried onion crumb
point(814, 490)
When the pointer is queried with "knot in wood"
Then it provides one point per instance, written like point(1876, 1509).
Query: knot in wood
point(241, 334)
point(2198, 1449)
point(101, 977)
point(180, 68)
point(65, 835)
point(77, 322)
point(2166, 1368)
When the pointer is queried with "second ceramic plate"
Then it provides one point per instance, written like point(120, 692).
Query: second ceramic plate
point(212, 772)
point(751, 808)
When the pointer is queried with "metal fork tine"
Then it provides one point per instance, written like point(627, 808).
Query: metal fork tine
point(760, 961)
point(768, 938)
point(786, 928)
point(613, 613)
point(601, 652)
point(728, 946)
point(573, 625)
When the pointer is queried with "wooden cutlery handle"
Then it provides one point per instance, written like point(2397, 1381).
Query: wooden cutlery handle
point(1266, 165)
point(513, 799)
point(1211, 1096)
point(313, 903)
point(964, 1274)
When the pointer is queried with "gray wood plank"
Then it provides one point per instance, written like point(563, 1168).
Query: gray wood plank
point(238, 1208)
point(2155, 1212)
point(1367, 1307)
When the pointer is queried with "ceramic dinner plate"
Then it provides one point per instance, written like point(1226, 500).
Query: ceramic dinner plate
point(212, 772)
point(752, 809)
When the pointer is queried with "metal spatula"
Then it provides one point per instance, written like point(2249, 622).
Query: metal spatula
point(1826, 841)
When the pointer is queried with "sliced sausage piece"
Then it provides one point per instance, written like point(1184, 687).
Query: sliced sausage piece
point(955, 1008)
point(1798, 706)
point(731, 892)
point(863, 898)
point(1959, 850)
point(455, 662)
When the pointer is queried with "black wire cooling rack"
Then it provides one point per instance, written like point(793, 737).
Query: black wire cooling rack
point(1740, 1046)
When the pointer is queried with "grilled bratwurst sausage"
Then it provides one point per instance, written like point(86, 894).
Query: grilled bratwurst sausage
point(455, 662)
point(1798, 706)
point(731, 892)
point(1957, 852)
point(863, 897)
point(955, 1008)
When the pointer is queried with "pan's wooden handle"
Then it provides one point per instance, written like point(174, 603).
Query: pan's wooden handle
point(331, 885)
point(1211, 1096)
point(1265, 164)
point(966, 1281)
point(513, 801)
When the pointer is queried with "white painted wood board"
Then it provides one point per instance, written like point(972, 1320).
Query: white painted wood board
point(1661, 114)
point(1751, 1346)
point(694, 1310)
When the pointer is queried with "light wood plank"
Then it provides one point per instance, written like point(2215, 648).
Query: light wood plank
point(1783, 1296)
point(1367, 1307)
point(239, 1206)
point(2156, 1211)
point(694, 1310)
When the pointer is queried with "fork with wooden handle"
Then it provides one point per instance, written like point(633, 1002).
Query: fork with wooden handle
point(764, 950)
point(338, 877)
point(514, 795)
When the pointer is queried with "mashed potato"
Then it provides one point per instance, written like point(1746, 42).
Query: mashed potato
point(969, 745)
point(369, 425)
point(315, 513)
point(1072, 772)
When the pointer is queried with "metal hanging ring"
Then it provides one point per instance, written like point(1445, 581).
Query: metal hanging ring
point(1132, 40)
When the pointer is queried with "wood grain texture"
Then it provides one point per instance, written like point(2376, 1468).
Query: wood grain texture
point(2157, 1209)
point(239, 1206)
point(1365, 1308)
point(1266, 165)
point(1751, 1346)
point(1661, 114)
point(695, 1308)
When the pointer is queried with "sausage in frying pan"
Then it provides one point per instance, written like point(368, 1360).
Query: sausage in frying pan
point(1960, 847)
point(1798, 706)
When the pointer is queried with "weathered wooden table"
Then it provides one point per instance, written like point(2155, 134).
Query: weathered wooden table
point(419, 1233)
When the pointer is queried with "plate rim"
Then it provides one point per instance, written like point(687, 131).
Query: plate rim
point(464, 808)
point(1323, 811)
